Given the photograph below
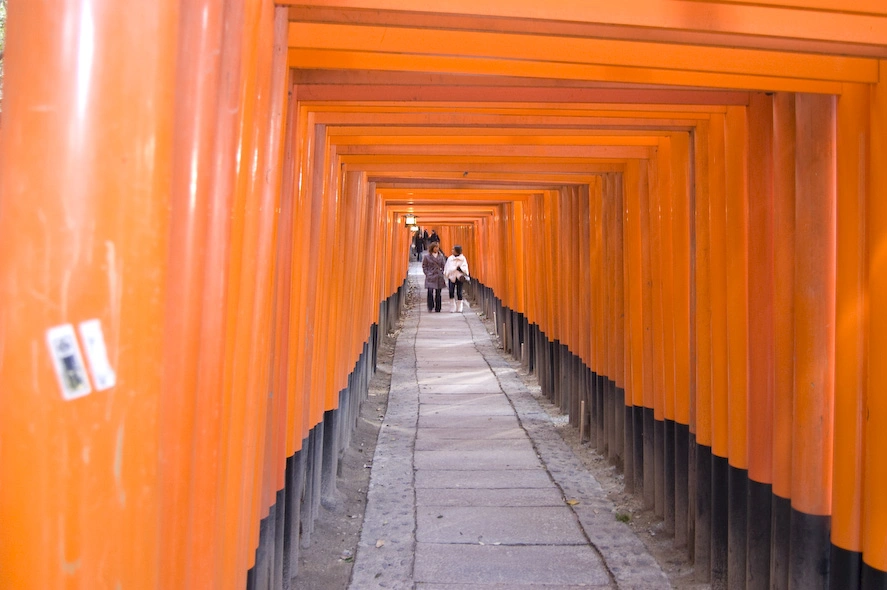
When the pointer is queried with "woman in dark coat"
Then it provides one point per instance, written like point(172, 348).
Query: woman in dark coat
point(433, 267)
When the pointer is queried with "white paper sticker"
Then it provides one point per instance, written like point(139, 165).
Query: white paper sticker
point(68, 362)
point(103, 376)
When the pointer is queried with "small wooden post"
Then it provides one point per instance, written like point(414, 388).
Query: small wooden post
point(582, 421)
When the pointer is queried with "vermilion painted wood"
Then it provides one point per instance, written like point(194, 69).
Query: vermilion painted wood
point(244, 401)
point(546, 116)
point(666, 156)
point(646, 315)
point(851, 309)
point(874, 509)
point(206, 501)
point(357, 59)
point(327, 286)
point(483, 137)
point(813, 410)
point(649, 362)
point(302, 230)
point(701, 411)
point(784, 268)
point(705, 63)
point(681, 264)
point(186, 515)
point(334, 81)
point(736, 180)
point(279, 85)
point(287, 276)
point(561, 216)
point(761, 256)
point(597, 260)
point(657, 312)
point(775, 25)
point(313, 304)
point(463, 88)
point(814, 304)
point(517, 112)
point(619, 284)
point(634, 250)
point(583, 271)
point(736, 164)
point(718, 278)
point(86, 152)
point(608, 320)
point(283, 321)
point(265, 201)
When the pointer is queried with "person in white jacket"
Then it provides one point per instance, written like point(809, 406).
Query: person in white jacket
point(456, 271)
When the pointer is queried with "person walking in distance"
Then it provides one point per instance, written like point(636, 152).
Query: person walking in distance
point(456, 271)
point(419, 244)
point(433, 266)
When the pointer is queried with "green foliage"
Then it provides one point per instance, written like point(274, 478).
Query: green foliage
point(623, 517)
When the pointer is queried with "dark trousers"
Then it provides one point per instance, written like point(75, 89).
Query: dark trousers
point(434, 299)
point(457, 287)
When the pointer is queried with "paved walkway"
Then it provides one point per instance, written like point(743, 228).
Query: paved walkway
point(470, 482)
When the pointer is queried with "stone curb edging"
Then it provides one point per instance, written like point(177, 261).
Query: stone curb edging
point(390, 514)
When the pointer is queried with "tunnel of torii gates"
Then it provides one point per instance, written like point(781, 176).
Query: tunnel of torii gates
point(676, 212)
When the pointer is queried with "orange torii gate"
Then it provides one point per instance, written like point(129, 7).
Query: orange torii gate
point(672, 206)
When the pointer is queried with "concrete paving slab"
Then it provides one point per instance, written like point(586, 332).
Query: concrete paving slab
point(444, 316)
point(466, 399)
point(452, 349)
point(432, 497)
point(453, 368)
point(474, 362)
point(489, 433)
point(456, 387)
point(482, 422)
point(451, 386)
point(462, 373)
point(437, 397)
point(445, 332)
point(463, 377)
point(507, 525)
point(451, 363)
point(491, 479)
point(463, 398)
point(429, 443)
point(476, 586)
point(482, 459)
point(508, 565)
point(433, 348)
point(497, 408)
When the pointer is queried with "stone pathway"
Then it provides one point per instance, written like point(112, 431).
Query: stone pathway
point(472, 487)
